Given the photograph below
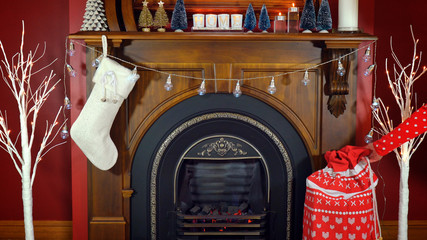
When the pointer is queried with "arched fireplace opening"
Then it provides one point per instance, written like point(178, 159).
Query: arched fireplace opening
point(217, 167)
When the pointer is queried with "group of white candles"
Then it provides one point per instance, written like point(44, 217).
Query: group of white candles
point(214, 21)
point(347, 18)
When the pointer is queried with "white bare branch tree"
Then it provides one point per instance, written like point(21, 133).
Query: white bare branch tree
point(17, 74)
point(401, 82)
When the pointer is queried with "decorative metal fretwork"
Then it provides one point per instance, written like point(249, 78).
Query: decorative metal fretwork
point(222, 147)
point(207, 117)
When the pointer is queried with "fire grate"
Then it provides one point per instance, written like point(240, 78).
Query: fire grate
point(213, 226)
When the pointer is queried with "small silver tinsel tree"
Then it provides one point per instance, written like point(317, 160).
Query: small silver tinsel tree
point(94, 18)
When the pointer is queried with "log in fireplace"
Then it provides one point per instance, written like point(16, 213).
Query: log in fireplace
point(159, 134)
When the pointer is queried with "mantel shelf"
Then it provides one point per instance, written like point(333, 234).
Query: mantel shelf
point(332, 40)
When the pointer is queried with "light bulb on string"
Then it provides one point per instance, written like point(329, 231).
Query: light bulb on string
point(71, 49)
point(272, 88)
point(97, 61)
point(305, 80)
point(168, 85)
point(134, 76)
point(340, 69)
point(375, 104)
point(67, 103)
point(370, 136)
point(237, 91)
point(202, 88)
point(369, 70)
point(64, 133)
point(71, 70)
point(367, 55)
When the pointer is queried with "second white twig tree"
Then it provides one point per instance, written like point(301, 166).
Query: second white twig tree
point(401, 82)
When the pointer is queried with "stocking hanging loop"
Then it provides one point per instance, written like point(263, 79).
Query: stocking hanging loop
point(104, 45)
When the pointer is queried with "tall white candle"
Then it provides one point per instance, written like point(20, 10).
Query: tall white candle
point(348, 11)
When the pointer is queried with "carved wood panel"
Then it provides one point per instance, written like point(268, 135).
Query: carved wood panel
point(300, 104)
point(150, 99)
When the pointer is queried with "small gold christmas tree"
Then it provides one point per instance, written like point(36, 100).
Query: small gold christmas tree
point(160, 18)
point(145, 18)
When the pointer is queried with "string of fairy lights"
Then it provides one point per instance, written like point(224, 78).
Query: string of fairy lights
point(237, 92)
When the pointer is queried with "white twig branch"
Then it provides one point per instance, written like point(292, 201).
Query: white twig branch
point(401, 86)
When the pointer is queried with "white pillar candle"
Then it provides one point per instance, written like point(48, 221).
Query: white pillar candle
point(236, 21)
point(224, 21)
point(348, 11)
point(198, 20)
point(211, 20)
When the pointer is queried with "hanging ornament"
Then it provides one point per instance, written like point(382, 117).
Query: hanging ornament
point(272, 88)
point(168, 85)
point(341, 69)
point(64, 133)
point(369, 70)
point(97, 61)
point(71, 70)
point(67, 103)
point(237, 92)
point(370, 136)
point(305, 80)
point(375, 104)
point(202, 88)
point(71, 49)
point(134, 76)
point(367, 55)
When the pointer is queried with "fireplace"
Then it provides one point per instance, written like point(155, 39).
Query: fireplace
point(219, 168)
point(157, 133)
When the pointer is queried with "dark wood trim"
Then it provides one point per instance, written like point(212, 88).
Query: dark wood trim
point(43, 230)
point(417, 229)
point(111, 14)
point(128, 19)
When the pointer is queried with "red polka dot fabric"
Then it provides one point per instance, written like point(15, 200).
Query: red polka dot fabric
point(409, 129)
point(339, 202)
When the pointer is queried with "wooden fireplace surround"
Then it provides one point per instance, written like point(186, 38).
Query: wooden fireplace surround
point(324, 112)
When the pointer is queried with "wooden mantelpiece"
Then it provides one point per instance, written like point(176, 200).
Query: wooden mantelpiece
point(221, 56)
point(332, 40)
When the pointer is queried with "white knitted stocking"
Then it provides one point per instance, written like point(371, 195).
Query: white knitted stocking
point(91, 130)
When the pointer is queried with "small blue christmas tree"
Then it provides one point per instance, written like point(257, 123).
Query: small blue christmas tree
point(324, 19)
point(308, 17)
point(250, 19)
point(179, 17)
point(264, 19)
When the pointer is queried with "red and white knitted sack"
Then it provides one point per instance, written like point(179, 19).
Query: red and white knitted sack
point(339, 202)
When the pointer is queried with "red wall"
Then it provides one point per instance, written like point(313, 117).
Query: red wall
point(52, 20)
point(393, 18)
point(78, 97)
point(45, 21)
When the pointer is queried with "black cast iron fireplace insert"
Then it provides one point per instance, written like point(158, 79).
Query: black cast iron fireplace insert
point(217, 167)
point(222, 189)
